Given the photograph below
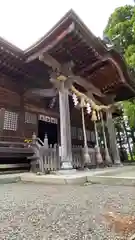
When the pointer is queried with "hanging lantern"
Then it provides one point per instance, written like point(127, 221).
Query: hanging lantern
point(88, 107)
point(75, 99)
point(94, 117)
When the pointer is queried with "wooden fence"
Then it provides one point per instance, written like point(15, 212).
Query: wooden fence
point(48, 159)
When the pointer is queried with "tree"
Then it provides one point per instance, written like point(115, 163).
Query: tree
point(121, 30)
point(129, 109)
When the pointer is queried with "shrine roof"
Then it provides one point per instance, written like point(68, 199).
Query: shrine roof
point(71, 40)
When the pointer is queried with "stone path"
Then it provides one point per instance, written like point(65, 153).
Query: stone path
point(36, 212)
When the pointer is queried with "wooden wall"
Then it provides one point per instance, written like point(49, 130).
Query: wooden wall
point(19, 115)
point(9, 108)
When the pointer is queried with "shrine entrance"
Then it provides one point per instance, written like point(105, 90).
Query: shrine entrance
point(48, 127)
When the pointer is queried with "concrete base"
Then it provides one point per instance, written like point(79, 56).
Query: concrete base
point(106, 177)
point(113, 176)
point(118, 164)
point(66, 172)
point(66, 166)
point(54, 179)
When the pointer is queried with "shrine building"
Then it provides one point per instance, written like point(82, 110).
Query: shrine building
point(54, 87)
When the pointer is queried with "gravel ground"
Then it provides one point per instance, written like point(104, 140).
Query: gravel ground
point(33, 211)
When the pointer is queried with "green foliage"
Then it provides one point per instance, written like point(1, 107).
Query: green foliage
point(130, 56)
point(121, 30)
point(129, 108)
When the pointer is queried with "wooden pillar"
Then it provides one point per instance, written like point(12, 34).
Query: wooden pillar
point(112, 138)
point(65, 129)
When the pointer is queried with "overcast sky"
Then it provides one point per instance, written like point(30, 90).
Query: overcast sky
point(23, 22)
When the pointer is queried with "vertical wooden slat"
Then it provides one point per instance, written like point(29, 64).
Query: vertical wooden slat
point(2, 112)
point(21, 120)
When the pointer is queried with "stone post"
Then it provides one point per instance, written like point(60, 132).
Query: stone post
point(34, 137)
point(38, 157)
point(112, 138)
point(46, 145)
point(65, 128)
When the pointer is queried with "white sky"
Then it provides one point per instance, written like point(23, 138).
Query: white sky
point(23, 22)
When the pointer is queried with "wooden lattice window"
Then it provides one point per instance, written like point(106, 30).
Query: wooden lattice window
point(30, 118)
point(10, 121)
